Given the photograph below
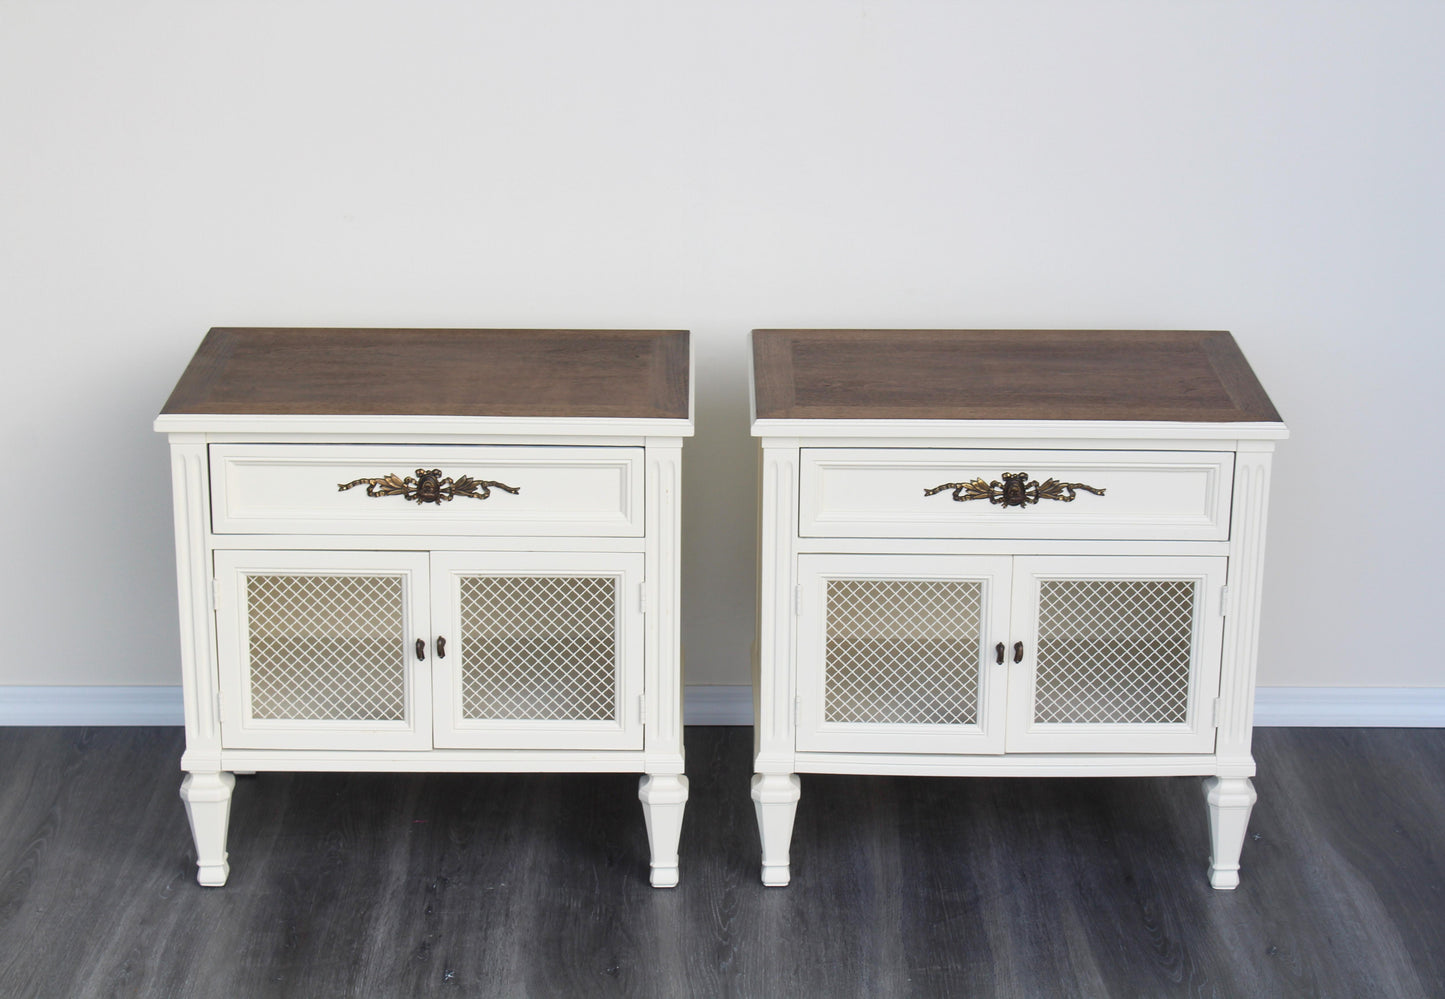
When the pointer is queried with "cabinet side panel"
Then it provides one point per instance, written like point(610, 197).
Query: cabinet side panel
point(191, 498)
point(662, 628)
point(773, 682)
point(1241, 628)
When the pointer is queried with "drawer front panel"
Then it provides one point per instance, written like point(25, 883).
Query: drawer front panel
point(296, 489)
point(885, 493)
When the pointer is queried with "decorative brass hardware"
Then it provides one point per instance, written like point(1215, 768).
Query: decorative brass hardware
point(421, 648)
point(998, 650)
point(441, 647)
point(1014, 490)
point(1018, 652)
point(429, 486)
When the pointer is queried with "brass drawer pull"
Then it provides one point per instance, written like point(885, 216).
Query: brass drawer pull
point(1014, 490)
point(429, 486)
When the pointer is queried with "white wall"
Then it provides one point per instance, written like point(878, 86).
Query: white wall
point(1273, 168)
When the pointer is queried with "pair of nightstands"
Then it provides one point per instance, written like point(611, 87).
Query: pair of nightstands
point(982, 553)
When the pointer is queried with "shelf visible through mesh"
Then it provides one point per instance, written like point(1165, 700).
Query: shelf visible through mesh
point(327, 647)
point(539, 648)
point(902, 651)
point(1114, 651)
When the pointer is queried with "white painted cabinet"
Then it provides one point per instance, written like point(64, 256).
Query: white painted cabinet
point(323, 650)
point(545, 650)
point(895, 653)
point(415, 650)
point(1114, 654)
point(998, 553)
point(989, 653)
point(422, 550)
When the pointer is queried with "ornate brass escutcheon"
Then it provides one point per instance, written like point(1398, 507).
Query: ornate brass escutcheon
point(428, 486)
point(1015, 490)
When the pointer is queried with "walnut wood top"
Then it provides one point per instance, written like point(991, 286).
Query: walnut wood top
point(625, 374)
point(1005, 375)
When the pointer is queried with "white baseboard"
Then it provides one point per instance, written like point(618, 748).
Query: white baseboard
point(91, 706)
point(1350, 707)
point(719, 704)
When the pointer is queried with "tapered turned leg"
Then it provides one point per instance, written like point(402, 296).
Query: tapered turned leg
point(663, 798)
point(1230, 801)
point(208, 806)
point(775, 798)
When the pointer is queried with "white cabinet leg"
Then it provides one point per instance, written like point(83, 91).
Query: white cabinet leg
point(775, 798)
point(1230, 801)
point(663, 798)
point(208, 806)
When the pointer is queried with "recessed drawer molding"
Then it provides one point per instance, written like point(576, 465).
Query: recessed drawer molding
point(426, 490)
point(1098, 495)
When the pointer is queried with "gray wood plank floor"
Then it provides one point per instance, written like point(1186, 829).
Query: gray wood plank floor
point(535, 885)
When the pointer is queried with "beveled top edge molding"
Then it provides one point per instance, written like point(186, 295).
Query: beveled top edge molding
point(1020, 429)
point(393, 426)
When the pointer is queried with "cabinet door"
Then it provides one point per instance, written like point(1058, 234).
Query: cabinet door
point(1120, 654)
point(541, 650)
point(317, 650)
point(898, 653)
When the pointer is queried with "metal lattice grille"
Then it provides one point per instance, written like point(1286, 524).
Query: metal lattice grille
point(1114, 651)
point(327, 648)
point(902, 651)
point(539, 647)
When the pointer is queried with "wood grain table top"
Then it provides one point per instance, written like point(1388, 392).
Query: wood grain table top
point(1133, 375)
point(620, 374)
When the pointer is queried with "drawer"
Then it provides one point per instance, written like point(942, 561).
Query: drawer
point(884, 493)
point(374, 489)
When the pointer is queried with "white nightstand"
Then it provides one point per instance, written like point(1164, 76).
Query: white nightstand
point(430, 550)
point(1008, 553)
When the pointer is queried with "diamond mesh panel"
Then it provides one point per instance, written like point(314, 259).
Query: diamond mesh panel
point(902, 651)
point(327, 648)
point(1114, 651)
point(539, 647)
